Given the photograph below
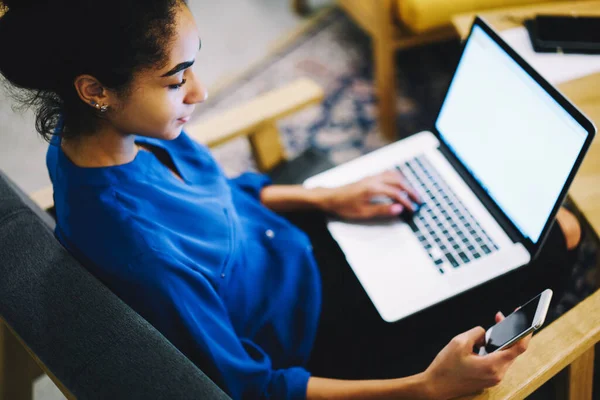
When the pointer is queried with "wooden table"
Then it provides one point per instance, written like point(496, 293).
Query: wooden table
point(583, 92)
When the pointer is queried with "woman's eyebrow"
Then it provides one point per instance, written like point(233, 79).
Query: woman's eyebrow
point(183, 65)
point(179, 67)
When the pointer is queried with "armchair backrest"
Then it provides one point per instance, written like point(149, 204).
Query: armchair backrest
point(95, 345)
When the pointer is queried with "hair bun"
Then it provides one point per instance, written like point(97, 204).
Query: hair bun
point(28, 44)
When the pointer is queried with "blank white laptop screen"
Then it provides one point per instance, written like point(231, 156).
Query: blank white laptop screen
point(515, 139)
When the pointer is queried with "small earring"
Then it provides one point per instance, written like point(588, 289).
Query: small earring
point(104, 108)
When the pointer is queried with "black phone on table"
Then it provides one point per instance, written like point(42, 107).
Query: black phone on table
point(565, 34)
point(525, 320)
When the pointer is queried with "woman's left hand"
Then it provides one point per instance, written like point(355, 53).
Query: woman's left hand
point(356, 200)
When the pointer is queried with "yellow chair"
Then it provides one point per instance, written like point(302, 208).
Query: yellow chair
point(400, 24)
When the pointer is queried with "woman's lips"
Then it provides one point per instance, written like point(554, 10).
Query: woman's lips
point(184, 119)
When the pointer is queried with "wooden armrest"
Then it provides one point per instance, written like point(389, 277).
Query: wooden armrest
point(247, 118)
point(255, 119)
point(570, 337)
point(19, 367)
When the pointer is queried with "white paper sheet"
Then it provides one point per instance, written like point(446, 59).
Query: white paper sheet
point(556, 68)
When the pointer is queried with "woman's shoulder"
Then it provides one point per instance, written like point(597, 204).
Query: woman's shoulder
point(101, 223)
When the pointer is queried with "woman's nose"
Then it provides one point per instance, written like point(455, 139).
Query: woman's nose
point(198, 92)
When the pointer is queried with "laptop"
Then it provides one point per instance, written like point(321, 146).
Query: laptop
point(492, 172)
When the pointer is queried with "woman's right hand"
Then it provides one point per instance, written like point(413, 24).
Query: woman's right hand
point(458, 371)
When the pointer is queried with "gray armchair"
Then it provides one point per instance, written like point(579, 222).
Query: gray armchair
point(82, 335)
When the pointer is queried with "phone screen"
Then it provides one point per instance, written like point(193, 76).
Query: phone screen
point(513, 325)
point(568, 29)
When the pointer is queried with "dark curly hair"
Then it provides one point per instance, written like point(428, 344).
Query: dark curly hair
point(46, 44)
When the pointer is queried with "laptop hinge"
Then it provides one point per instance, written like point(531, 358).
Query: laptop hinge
point(482, 195)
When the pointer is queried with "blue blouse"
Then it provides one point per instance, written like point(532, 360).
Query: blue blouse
point(233, 285)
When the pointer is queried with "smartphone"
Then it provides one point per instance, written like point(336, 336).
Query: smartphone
point(526, 319)
point(565, 34)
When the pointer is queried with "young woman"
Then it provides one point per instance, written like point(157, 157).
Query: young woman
point(207, 260)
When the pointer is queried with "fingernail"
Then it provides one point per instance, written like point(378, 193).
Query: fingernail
point(397, 208)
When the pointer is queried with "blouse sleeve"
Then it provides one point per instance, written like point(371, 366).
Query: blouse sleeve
point(181, 303)
point(251, 183)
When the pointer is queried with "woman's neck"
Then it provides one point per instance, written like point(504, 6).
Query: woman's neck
point(102, 149)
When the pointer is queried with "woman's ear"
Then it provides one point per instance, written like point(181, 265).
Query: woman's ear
point(91, 92)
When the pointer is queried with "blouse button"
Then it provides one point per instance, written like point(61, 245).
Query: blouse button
point(270, 234)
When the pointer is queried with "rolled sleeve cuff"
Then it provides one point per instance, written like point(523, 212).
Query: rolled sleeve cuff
point(252, 183)
point(292, 384)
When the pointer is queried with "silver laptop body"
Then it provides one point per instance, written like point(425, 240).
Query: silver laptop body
point(493, 173)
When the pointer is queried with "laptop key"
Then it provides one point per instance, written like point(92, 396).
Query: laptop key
point(413, 226)
point(486, 249)
point(464, 257)
point(452, 260)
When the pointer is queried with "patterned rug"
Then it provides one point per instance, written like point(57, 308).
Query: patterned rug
point(337, 55)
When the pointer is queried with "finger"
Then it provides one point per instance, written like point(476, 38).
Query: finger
point(522, 345)
point(480, 343)
point(497, 359)
point(393, 193)
point(506, 356)
point(397, 179)
point(382, 210)
point(499, 316)
point(473, 336)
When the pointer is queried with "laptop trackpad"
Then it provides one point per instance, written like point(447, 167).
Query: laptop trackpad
point(392, 264)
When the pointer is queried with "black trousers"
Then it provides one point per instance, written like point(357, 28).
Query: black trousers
point(353, 342)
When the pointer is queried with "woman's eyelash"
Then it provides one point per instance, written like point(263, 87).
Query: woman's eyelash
point(178, 85)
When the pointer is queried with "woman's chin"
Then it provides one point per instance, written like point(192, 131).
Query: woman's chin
point(169, 133)
point(173, 133)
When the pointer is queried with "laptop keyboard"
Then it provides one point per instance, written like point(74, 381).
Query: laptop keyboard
point(444, 227)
